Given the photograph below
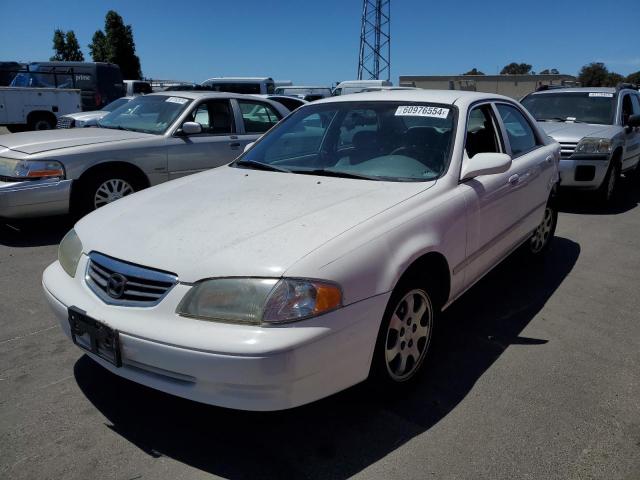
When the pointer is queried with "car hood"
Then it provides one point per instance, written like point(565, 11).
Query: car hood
point(47, 140)
point(86, 116)
point(235, 222)
point(573, 132)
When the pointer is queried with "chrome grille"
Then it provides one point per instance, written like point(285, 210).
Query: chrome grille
point(567, 149)
point(65, 122)
point(120, 283)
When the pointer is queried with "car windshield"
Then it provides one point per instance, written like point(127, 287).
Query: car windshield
point(586, 107)
point(395, 141)
point(37, 78)
point(115, 104)
point(148, 114)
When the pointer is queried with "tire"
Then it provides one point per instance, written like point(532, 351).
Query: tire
point(41, 122)
point(609, 188)
point(540, 239)
point(103, 188)
point(404, 338)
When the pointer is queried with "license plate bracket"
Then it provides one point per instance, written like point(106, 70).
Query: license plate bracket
point(94, 336)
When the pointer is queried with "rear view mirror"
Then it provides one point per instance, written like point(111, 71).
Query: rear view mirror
point(633, 121)
point(487, 163)
point(191, 128)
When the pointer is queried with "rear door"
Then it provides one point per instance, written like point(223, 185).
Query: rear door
point(254, 119)
point(217, 145)
point(631, 155)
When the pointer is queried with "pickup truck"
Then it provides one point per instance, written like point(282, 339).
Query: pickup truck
point(27, 108)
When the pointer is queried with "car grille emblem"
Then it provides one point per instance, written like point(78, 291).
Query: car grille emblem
point(116, 285)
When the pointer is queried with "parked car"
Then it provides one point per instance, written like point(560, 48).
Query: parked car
point(290, 103)
point(357, 86)
point(151, 139)
point(305, 93)
point(137, 87)
point(250, 85)
point(90, 119)
point(100, 83)
point(598, 129)
point(36, 108)
point(322, 256)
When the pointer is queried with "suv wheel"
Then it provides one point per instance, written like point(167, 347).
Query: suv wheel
point(609, 186)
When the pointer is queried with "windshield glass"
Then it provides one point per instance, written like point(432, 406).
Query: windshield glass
point(43, 79)
point(115, 104)
point(587, 107)
point(148, 114)
point(397, 141)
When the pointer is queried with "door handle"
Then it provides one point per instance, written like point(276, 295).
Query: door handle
point(514, 179)
point(549, 159)
point(235, 145)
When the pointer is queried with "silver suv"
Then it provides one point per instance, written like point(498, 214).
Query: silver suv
point(598, 130)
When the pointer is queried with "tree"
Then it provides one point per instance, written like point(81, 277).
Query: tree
point(474, 71)
point(634, 78)
point(116, 45)
point(553, 71)
point(593, 75)
point(614, 79)
point(516, 69)
point(66, 47)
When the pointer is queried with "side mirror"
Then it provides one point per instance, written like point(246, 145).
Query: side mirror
point(487, 163)
point(248, 146)
point(633, 121)
point(191, 128)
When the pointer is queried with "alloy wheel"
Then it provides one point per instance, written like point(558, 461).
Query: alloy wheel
point(408, 335)
point(542, 234)
point(110, 191)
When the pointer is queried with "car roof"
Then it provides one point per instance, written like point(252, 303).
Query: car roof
point(198, 94)
point(577, 90)
point(304, 86)
point(459, 97)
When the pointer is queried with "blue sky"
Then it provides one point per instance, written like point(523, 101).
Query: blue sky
point(317, 42)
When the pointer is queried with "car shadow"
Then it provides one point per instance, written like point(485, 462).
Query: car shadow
point(583, 202)
point(339, 436)
point(36, 232)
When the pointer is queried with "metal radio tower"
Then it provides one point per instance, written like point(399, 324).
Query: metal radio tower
point(375, 41)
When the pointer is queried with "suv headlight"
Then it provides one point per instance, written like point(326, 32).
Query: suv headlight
point(30, 169)
point(594, 145)
point(258, 301)
point(69, 252)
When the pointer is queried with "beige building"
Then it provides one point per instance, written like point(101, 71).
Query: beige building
point(514, 86)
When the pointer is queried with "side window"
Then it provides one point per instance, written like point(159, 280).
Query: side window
point(481, 132)
point(635, 102)
point(521, 136)
point(627, 108)
point(214, 116)
point(257, 117)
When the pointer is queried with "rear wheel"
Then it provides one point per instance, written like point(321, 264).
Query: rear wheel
point(405, 335)
point(41, 122)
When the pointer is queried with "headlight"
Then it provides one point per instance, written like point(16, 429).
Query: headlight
point(30, 169)
point(69, 252)
point(594, 145)
point(260, 300)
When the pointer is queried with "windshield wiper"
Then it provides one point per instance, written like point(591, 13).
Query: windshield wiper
point(259, 166)
point(559, 119)
point(113, 127)
point(336, 173)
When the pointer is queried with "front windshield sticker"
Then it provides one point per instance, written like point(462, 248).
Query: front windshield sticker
point(422, 111)
point(601, 94)
point(179, 100)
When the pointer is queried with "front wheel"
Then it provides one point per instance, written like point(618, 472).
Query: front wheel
point(609, 186)
point(541, 237)
point(405, 335)
point(104, 188)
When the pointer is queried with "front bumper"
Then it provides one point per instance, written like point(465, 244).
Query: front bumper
point(235, 366)
point(582, 173)
point(36, 198)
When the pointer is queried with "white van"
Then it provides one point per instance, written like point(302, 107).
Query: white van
point(356, 86)
point(137, 87)
point(250, 85)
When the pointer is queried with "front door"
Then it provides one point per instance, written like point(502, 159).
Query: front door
point(217, 145)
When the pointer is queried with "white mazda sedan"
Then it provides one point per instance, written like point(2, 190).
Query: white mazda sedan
point(319, 258)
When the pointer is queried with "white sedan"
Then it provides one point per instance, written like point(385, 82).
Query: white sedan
point(319, 258)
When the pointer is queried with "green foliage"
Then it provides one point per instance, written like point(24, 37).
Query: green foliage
point(596, 74)
point(116, 45)
point(552, 71)
point(516, 69)
point(474, 71)
point(66, 47)
point(614, 79)
point(634, 78)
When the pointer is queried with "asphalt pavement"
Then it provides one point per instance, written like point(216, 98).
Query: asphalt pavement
point(535, 373)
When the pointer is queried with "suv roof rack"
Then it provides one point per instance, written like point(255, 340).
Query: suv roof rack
point(624, 85)
point(542, 88)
